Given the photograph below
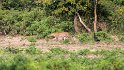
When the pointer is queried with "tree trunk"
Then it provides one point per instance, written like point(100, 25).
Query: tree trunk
point(95, 16)
point(88, 29)
point(77, 30)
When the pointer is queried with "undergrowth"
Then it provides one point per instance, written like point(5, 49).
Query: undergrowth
point(32, 58)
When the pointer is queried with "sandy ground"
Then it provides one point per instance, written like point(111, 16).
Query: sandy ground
point(21, 41)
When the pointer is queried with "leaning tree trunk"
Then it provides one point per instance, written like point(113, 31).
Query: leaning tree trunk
point(77, 30)
point(95, 16)
point(88, 29)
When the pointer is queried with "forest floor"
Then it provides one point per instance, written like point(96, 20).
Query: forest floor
point(21, 41)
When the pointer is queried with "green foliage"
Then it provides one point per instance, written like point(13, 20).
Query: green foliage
point(13, 50)
point(103, 36)
point(120, 2)
point(28, 59)
point(35, 17)
point(66, 26)
point(84, 37)
point(84, 52)
point(33, 50)
point(43, 27)
point(20, 62)
point(16, 22)
point(31, 39)
point(117, 25)
point(17, 4)
point(31, 23)
point(65, 7)
point(59, 65)
point(122, 38)
point(27, 17)
point(48, 25)
point(66, 41)
point(58, 51)
point(114, 10)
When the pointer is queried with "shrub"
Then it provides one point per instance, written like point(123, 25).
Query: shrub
point(42, 28)
point(33, 50)
point(102, 36)
point(23, 62)
point(34, 22)
point(122, 38)
point(66, 26)
point(31, 39)
point(84, 37)
point(16, 22)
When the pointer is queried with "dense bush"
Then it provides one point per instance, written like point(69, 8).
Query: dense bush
point(122, 38)
point(17, 4)
point(84, 37)
point(102, 36)
point(16, 22)
point(43, 27)
point(25, 16)
point(31, 23)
